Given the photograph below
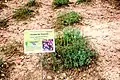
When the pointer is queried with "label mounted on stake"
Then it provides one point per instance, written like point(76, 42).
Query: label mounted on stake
point(39, 41)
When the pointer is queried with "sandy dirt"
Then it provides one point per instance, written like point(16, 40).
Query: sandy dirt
point(100, 21)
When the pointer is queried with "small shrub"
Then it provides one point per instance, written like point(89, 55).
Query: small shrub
point(57, 3)
point(22, 13)
point(72, 50)
point(67, 18)
point(81, 1)
point(3, 23)
point(11, 48)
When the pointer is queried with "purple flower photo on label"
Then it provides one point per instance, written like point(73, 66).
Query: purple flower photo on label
point(47, 45)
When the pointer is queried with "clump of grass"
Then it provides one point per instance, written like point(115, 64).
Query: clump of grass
point(22, 13)
point(72, 50)
point(81, 1)
point(11, 48)
point(57, 3)
point(3, 23)
point(67, 18)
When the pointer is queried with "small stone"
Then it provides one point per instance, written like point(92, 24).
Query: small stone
point(18, 61)
point(61, 77)
point(33, 19)
point(22, 57)
point(6, 1)
point(70, 76)
point(117, 48)
point(63, 74)
point(2, 74)
point(49, 77)
point(84, 75)
point(58, 71)
point(22, 63)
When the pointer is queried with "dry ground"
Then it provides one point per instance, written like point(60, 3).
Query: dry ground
point(100, 21)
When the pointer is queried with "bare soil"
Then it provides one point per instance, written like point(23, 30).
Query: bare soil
point(100, 21)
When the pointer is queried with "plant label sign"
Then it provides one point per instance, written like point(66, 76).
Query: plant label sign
point(39, 41)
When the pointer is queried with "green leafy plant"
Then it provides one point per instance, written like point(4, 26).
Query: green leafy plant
point(57, 3)
point(81, 1)
point(67, 18)
point(72, 50)
point(22, 13)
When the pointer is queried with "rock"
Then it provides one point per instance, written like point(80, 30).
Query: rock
point(84, 75)
point(62, 76)
point(58, 71)
point(2, 75)
point(117, 47)
point(22, 57)
point(33, 19)
point(18, 61)
point(22, 63)
point(49, 77)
